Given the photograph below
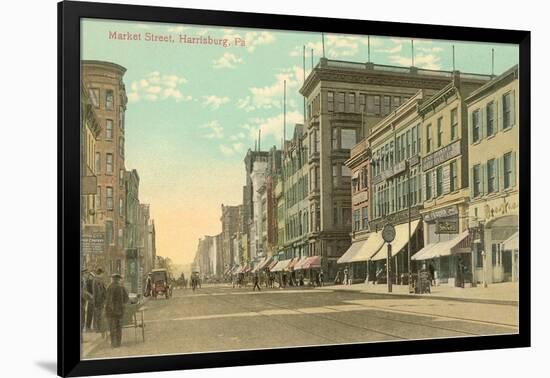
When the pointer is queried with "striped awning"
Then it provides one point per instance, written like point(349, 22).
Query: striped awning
point(281, 265)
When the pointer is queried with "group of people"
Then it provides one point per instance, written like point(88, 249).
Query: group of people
point(98, 300)
point(284, 279)
point(343, 278)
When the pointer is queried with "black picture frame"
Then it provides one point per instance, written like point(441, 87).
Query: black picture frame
point(69, 15)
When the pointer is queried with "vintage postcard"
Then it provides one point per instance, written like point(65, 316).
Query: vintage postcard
point(256, 189)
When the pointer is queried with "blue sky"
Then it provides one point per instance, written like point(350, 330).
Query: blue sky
point(194, 110)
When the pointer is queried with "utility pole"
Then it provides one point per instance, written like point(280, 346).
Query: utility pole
point(304, 74)
point(368, 48)
point(454, 69)
point(323, 41)
point(412, 52)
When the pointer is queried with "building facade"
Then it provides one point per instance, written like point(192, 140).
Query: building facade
point(344, 100)
point(296, 195)
point(92, 232)
point(493, 123)
point(103, 81)
point(133, 256)
point(230, 220)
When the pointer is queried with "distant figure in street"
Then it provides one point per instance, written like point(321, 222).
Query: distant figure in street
point(321, 277)
point(100, 293)
point(346, 276)
point(256, 282)
point(90, 308)
point(85, 295)
point(148, 285)
point(338, 278)
point(284, 280)
point(301, 278)
point(431, 269)
point(117, 296)
point(460, 273)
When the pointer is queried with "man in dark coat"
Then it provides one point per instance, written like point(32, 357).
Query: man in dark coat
point(117, 296)
point(256, 282)
point(99, 300)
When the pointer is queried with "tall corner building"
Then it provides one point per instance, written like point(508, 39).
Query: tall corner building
point(105, 86)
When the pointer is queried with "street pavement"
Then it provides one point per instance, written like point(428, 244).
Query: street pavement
point(220, 318)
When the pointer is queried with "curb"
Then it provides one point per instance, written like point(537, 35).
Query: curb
point(438, 297)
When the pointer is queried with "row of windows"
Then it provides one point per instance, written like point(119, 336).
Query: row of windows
point(297, 225)
point(377, 105)
point(109, 234)
point(489, 177)
point(361, 181)
point(406, 145)
point(435, 183)
point(486, 120)
point(391, 196)
point(108, 164)
point(436, 141)
point(297, 191)
point(360, 223)
point(109, 200)
point(109, 104)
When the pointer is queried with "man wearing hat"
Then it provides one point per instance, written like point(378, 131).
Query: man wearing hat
point(117, 296)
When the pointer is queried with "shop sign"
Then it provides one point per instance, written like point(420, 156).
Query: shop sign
point(441, 156)
point(93, 244)
point(445, 212)
point(447, 227)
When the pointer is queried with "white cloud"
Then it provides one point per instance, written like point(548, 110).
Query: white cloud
point(227, 151)
point(215, 131)
point(214, 102)
point(336, 46)
point(429, 61)
point(271, 96)
point(227, 60)
point(273, 126)
point(156, 86)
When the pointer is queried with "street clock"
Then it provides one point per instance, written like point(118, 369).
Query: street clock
point(388, 233)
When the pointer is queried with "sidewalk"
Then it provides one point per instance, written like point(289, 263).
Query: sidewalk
point(498, 293)
point(89, 341)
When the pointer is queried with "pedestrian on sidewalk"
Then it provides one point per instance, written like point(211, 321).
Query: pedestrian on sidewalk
point(346, 276)
point(90, 308)
point(321, 277)
point(256, 282)
point(117, 297)
point(99, 300)
point(85, 295)
point(338, 278)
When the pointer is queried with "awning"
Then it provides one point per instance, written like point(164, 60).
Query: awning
point(281, 265)
point(300, 262)
point(265, 263)
point(272, 264)
point(400, 241)
point(292, 262)
point(235, 269)
point(444, 248)
point(257, 265)
point(227, 271)
point(312, 262)
point(512, 243)
point(364, 250)
point(352, 251)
